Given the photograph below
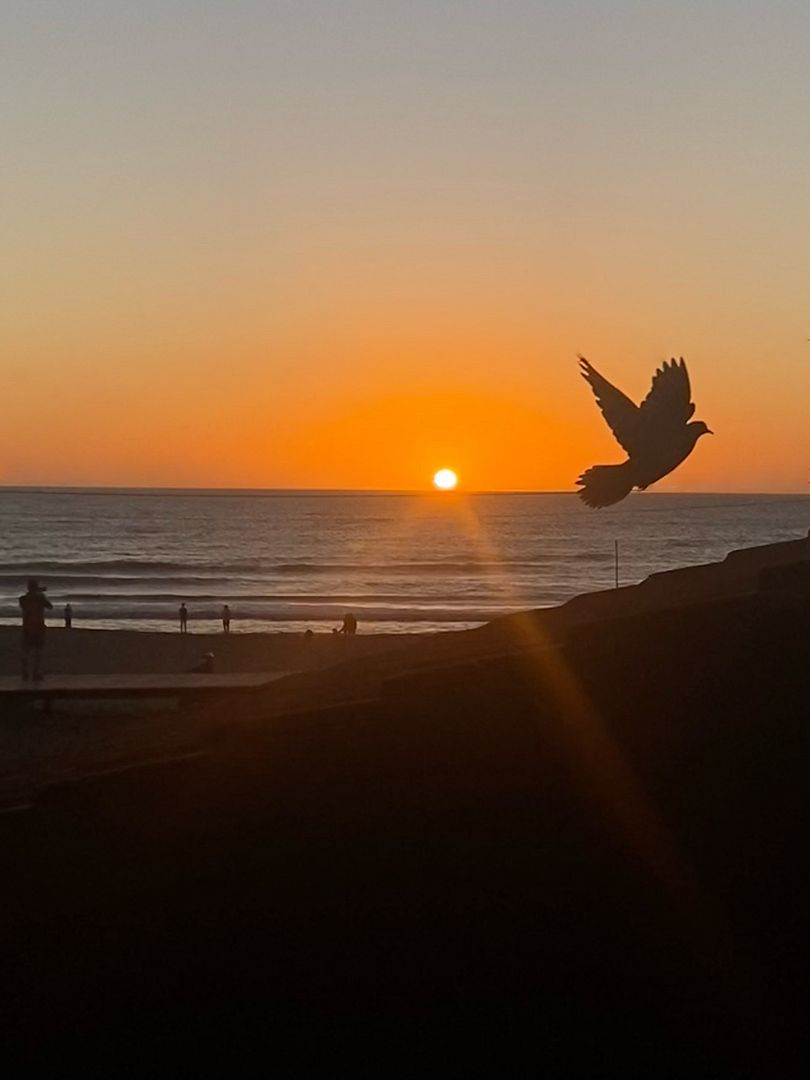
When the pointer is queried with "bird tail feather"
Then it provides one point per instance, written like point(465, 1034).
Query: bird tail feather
point(603, 485)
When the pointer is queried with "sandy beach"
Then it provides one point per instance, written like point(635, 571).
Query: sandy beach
point(104, 652)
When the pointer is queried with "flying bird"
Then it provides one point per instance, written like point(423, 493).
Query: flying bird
point(657, 434)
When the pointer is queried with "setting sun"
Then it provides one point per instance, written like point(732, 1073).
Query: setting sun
point(445, 479)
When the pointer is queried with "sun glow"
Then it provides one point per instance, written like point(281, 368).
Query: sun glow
point(445, 479)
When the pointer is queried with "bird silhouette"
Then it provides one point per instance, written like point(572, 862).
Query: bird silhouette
point(657, 434)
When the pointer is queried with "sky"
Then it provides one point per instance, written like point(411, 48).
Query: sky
point(260, 243)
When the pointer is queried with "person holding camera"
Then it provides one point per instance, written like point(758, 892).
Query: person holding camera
point(34, 603)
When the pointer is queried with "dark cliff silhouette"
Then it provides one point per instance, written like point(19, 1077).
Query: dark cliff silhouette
point(657, 434)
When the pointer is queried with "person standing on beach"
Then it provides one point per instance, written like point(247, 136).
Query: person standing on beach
point(183, 614)
point(226, 619)
point(33, 604)
point(68, 616)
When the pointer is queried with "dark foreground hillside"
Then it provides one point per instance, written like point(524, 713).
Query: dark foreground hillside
point(583, 855)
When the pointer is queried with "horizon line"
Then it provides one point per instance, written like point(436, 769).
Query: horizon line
point(44, 489)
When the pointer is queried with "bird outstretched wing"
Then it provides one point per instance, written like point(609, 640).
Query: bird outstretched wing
point(620, 412)
point(667, 405)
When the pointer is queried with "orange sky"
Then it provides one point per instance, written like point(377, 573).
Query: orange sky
point(319, 246)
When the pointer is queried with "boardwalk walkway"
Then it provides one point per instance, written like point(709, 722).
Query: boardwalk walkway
point(40, 744)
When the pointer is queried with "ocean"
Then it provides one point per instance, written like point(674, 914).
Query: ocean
point(401, 562)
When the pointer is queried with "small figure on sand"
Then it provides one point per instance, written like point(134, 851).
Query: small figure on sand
point(68, 616)
point(205, 666)
point(34, 603)
point(226, 619)
point(183, 616)
point(349, 626)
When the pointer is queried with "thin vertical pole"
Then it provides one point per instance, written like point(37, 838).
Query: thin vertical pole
point(616, 562)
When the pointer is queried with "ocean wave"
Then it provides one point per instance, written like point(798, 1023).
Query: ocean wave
point(136, 569)
point(15, 583)
point(65, 567)
point(449, 566)
point(587, 556)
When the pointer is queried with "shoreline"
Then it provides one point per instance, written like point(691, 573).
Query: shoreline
point(273, 627)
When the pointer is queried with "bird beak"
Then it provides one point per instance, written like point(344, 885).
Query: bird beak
point(709, 431)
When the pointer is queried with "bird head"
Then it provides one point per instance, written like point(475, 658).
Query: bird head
point(698, 428)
